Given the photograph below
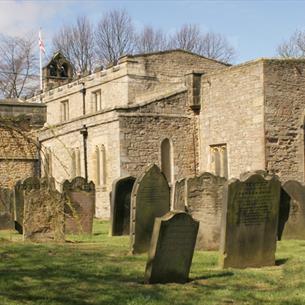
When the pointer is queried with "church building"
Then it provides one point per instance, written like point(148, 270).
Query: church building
point(182, 111)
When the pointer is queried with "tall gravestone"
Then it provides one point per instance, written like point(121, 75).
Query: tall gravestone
point(171, 248)
point(120, 205)
point(150, 198)
point(43, 218)
point(21, 187)
point(249, 223)
point(180, 195)
point(294, 228)
point(204, 203)
point(80, 205)
point(6, 209)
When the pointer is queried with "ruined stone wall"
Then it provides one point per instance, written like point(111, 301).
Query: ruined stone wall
point(232, 113)
point(284, 117)
point(19, 148)
point(144, 128)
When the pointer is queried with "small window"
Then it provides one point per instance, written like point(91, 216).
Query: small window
point(96, 101)
point(64, 111)
point(219, 160)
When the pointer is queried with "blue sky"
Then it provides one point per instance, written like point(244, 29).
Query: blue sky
point(254, 28)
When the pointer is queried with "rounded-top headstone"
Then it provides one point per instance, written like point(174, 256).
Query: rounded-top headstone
point(150, 198)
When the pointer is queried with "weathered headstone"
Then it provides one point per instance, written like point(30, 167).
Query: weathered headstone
point(6, 209)
point(180, 195)
point(284, 210)
point(43, 218)
point(150, 198)
point(204, 203)
point(80, 205)
point(171, 248)
point(21, 187)
point(120, 206)
point(249, 222)
point(294, 227)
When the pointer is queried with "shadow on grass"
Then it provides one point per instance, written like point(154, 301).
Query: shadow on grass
point(216, 275)
point(282, 261)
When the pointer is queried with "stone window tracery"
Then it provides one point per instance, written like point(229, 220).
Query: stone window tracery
point(219, 160)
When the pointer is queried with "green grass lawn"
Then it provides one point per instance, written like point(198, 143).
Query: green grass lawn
point(99, 270)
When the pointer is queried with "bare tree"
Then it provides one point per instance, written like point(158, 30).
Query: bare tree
point(150, 40)
point(294, 46)
point(114, 36)
point(213, 45)
point(216, 46)
point(186, 38)
point(77, 44)
point(18, 66)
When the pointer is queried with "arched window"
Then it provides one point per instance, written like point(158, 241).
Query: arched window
point(52, 70)
point(64, 70)
point(219, 161)
point(100, 156)
point(75, 163)
point(166, 160)
point(47, 166)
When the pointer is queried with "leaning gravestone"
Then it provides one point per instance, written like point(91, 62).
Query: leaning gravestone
point(120, 206)
point(6, 209)
point(43, 218)
point(171, 248)
point(249, 224)
point(80, 205)
point(21, 187)
point(204, 203)
point(180, 195)
point(294, 227)
point(150, 198)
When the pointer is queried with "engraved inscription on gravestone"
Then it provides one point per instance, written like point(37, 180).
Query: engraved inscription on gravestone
point(249, 223)
point(171, 248)
point(150, 198)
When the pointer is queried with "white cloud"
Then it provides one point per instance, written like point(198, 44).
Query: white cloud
point(20, 17)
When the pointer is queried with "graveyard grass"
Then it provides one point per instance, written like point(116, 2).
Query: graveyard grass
point(99, 270)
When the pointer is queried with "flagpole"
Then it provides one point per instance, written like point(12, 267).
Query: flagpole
point(40, 60)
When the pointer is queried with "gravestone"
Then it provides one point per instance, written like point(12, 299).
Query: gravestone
point(249, 222)
point(80, 205)
point(283, 212)
point(294, 227)
point(43, 218)
point(180, 195)
point(120, 206)
point(150, 198)
point(171, 249)
point(6, 209)
point(204, 203)
point(21, 187)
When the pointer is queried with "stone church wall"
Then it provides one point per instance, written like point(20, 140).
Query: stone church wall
point(143, 129)
point(232, 114)
point(284, 117)
point(103, 130)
